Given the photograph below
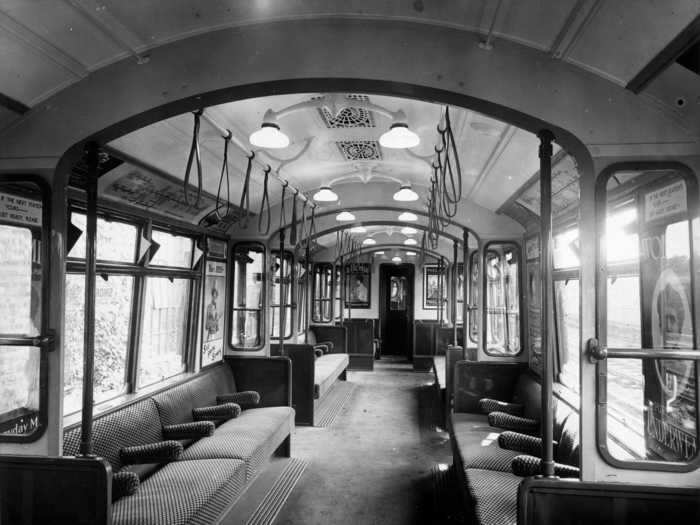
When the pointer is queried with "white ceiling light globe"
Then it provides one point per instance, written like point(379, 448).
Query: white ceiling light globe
point(410, 254)
point(345, 216)
point(408, 216)
point(269, 136)
point(405, 194)
point(369, 241)
point(407, 230)
point(325, 194)
point(396, 259)
point(358, 229)
point(399, 137)
point(379, 253)
point(410, 242)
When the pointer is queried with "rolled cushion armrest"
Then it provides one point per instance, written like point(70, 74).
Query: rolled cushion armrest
point(515, 423)
point(222, 412)
point(319, 350)
point(487, 405)
point(245, 400)
point(329, 346)
point(194, 430)
point(124, 483)
point(532, 466)
point(161, 452)
point(521, 443)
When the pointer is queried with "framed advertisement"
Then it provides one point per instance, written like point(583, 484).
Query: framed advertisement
point(358, 284)
point(213, 311)
point(434, 287)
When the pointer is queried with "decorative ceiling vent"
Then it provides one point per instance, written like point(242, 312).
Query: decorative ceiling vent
point(360, 149)
point(348, 117)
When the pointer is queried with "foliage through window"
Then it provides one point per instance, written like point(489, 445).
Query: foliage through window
point(278, 282)
point(247, 309)
point(502, 269)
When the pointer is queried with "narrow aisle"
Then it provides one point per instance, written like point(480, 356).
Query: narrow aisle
point(374, 464)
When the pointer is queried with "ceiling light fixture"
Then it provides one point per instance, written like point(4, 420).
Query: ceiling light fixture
point(399, 136)
point(408, 216)
point(379, 253)
point(269, 135)
point(410, 242)
point(369, 241)
point(325, 194)
point(396, 259)
point(410, 254)
point(408, 230)
point(358, 229)
point(405, 194)
point(345, 216)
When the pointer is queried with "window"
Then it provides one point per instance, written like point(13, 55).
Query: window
point(460, 291)
point(247, 309)
point(159, 341)
point(23, 232)
point(647, 302)
point(336, 292)
point(502, 299)
point(322, 293)
point(474, 293)
point(277, 283)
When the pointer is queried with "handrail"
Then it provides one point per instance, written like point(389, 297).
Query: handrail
point(39, 340)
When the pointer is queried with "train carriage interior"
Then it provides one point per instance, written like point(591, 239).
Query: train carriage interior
point(349, 262)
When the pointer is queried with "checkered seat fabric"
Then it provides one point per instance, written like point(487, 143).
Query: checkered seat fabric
point(124, 483)
point(532, 466)
point(487, 406)
point(183, 493)
point(494, 496)
point(160, 452)
point(245, 400)
point(515, 423)
point(194, 430)
point(217, 413)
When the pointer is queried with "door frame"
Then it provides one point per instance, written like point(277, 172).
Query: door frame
point(384, 270)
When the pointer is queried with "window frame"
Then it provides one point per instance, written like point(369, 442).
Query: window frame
point(290, 260)
point(693, 214)
point(316, 315)
point(473, 307)
point(46, 340)
point(262, 326)
point(484, 297)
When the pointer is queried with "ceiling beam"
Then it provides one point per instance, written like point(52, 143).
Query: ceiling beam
point(573, 27)
point(666, 57)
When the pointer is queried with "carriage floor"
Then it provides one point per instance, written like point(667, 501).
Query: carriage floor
point(382, 459)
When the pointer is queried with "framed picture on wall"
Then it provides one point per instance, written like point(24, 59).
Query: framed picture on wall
point(434, 288)
point(358, 285)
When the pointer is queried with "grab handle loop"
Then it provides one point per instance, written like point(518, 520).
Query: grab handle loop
point(245, 195)
point(265, 206)
point(293, 229)
point(224, 173)
point(194, 155)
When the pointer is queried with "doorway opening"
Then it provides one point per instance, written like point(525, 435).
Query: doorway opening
point(396, 309)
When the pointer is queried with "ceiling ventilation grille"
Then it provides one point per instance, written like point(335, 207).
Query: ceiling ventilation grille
point(348, 117)
point(360, 149)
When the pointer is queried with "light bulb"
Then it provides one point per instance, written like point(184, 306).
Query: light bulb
point(396, 259)
point(369, 241)
point(358, 229)
point(407, 230)
point(410, 254)
point(269, 136)
point(399, 136)
point(379, 253)
point(410, 242)
point(405, 194)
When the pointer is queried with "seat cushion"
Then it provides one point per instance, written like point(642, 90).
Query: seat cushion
point(251, 437)
point(326, 370)
point(494, 496)
point(477, 443)
point(184, 492)
point(440, 371)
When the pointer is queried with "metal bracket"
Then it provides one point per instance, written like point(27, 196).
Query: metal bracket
point(595, 351)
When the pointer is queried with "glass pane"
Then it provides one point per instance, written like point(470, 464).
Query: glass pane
point(565, 249)
point(323, 290)
point(502, 300)
point(639, 429)
point(247, 297)
point(20, 281)
point(19, 389)
point(116, 241)
point(474, 294)
point(163, 329)
point(397, 296)
point(567, 297)
point(113, 300)
point(213, 308)
point(652, 406)
point(174, 250)
point(275, 322)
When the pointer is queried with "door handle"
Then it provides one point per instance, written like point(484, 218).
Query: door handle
point(595, 351)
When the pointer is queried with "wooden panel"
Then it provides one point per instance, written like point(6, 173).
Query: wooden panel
point(302, 364)
point(271, 377)
point(476, 380)
point(335, 334)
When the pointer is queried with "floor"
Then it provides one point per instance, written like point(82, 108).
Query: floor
point(376, 462)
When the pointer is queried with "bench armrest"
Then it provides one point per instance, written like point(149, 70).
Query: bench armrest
point(515, 423)
point(337, 335)
point(488, 405)
point(193, 430)
point(526, 466)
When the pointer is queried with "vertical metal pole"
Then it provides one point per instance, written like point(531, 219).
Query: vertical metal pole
point(545, 152)
point(441, 267)
point(307, 295)
point(281, 301)
point(342, 290)
point(465, 280)
point(453, 292)
point(92, 157)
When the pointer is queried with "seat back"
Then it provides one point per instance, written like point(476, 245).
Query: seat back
point(529, 393)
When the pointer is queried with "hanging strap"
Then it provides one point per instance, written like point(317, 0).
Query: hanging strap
point(282, 210)
point(293, 229)
point(265, 206)
point(194, 154)
point(245, 195)
point(224, 173)
point(303, 222)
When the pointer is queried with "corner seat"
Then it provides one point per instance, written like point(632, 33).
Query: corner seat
point(327, 369)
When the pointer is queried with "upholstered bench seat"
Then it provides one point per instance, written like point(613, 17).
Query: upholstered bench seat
point(440, 370)
point(493, 495)
point(475, 444)
point(326, 370)
point(183, 492)
point(252, 437)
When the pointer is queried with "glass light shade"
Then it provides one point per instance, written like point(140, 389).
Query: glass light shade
point(269, 136)
point(369, 241)
point(396, 259)
point(358, 229)
point(410, 242)
point(325, 194)
point(345, 216)
point(408, 230)
point(399, 136)
point(379, 253)
point(408, 216)
point(410, 254)
point(405, 194)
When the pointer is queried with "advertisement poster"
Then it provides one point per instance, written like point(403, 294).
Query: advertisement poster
point(214, 294)
point(434, 287)
point(358, 285)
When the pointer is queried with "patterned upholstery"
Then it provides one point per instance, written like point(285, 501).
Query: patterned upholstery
point(532, 466)
point(252, 437)
point(222, 412)
point(487, 406)
point(494, 496)
point(247, 399)
point(326, 371)
point(124, 483)
point(160, 452)
point(181, 493)
point(521, 443)
point(318, 351)
point(515, 423)
point(194, 430)
point(476, 443)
